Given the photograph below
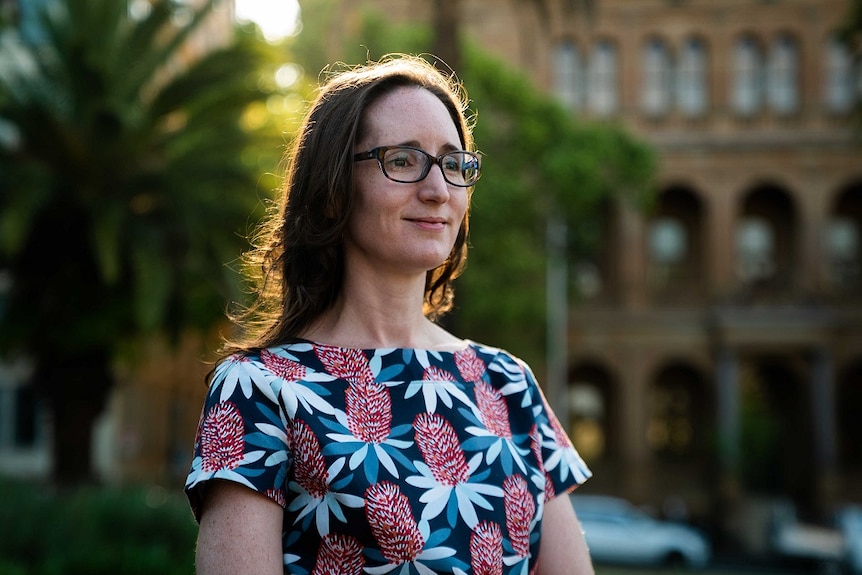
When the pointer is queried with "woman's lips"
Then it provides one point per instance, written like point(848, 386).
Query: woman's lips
point(429, 223)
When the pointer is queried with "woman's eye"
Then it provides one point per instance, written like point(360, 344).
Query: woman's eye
point(451, 164)
point(399, 161)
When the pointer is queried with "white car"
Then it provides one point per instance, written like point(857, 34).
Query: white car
point(850, 522)
point(618, 532)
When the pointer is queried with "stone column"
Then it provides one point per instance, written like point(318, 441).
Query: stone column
point(557, 383)
point(728, 495)
point(823, 417)
point(632, 257)
point(635, 468)
point(727, 380)
point(722, 240)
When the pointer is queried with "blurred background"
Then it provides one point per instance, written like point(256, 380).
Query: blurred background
point(667, 229)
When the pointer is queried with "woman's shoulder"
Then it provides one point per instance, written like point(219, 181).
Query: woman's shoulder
point(263, 363)
point(501, 360)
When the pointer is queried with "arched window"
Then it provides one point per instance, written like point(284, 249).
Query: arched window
point(844, 242)
point(783, 75)
point(569, 75)
point(668, 241)
point(755, 249)
point(593, 418)
point(603, 97)
point(657, 77)
point(844, 251)
point(588, 419)
point(839, 82)
point(691, 82)
point(747, 76)
point(668, 250)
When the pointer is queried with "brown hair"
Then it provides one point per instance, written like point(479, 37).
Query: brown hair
point(297, 267)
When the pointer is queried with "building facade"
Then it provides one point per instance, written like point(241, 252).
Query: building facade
point(716, 354)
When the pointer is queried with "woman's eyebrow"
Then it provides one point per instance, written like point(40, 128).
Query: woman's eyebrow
point(448, 147)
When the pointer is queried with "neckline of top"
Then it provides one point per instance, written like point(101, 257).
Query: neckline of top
point(465, 345)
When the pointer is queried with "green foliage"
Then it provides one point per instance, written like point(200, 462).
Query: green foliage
point(124, 175)
point(539, 160)
point(130, 171)
point(95, 531)
point(369, 36)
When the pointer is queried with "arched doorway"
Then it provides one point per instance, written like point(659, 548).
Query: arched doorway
point(844, 244)
point(776, 435)
point(593, 415)
point(680, 434)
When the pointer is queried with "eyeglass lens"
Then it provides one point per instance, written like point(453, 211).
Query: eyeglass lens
point(408, 165)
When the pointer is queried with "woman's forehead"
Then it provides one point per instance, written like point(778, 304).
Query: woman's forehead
point(406, 113)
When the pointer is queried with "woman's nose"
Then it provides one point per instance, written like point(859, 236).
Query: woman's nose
point(435, 188)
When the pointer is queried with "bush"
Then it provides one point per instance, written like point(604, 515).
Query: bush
point(94, 531)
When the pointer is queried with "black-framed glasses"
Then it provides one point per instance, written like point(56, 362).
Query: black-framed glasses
point(406, 164)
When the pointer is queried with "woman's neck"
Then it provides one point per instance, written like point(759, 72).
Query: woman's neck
point(379, 314)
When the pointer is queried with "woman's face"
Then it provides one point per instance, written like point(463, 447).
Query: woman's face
point(404, 228)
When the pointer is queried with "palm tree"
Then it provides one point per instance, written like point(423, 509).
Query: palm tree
point(122, 194)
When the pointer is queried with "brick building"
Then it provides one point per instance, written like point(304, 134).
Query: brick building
point(717, 355)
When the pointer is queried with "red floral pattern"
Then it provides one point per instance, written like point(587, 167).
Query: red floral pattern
point(469, 365)
point(350, 365)
point(486, 549)
point(283, 367)
point(392, 523)
point(492, 406)
point(369, 411)
point(550, 492)
point(536, 446)
point(520, 510)
point(277, 495)
point(434, 373)
point(339, 555)
point(441, 449)
point(222, 440)
point(310, 466)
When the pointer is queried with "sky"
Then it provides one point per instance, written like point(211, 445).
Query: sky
point(276, 18)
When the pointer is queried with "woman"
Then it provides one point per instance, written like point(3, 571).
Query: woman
point(348, 433)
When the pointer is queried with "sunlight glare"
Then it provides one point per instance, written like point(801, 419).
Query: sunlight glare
point(277, 18)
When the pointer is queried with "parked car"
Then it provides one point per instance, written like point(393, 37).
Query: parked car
point(850, 523)
point(835, 547)
point(618, 532)
point(818, 545)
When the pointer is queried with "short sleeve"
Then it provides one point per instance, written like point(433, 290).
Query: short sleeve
point(241, 435)
point(564, 468)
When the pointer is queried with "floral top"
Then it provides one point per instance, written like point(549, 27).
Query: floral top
point(402, 461)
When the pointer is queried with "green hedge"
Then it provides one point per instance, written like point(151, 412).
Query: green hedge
point(94, 531)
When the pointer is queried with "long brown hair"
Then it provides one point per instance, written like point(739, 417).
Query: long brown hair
point(297, 266)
